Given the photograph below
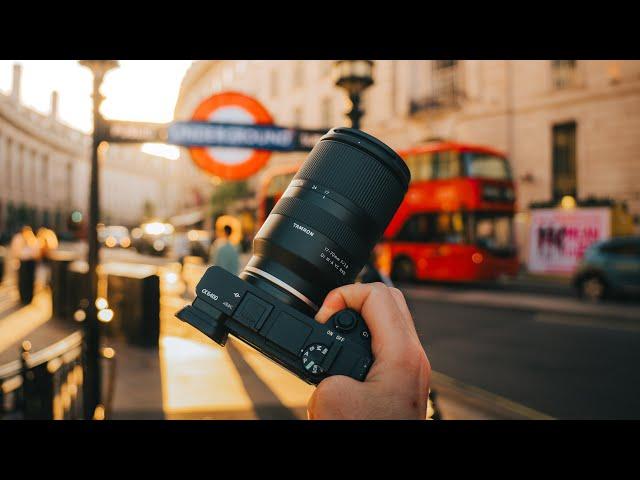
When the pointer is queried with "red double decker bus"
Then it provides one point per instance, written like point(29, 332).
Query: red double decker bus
point(456, 221)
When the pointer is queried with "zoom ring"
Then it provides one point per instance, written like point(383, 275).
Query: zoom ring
point(357, 176)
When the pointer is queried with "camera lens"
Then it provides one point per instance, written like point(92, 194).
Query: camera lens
point(321, 232)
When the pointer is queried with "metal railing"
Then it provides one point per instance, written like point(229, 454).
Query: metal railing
point(48, 384)
point(445, 92)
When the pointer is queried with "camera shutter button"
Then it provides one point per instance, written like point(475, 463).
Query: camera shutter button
point(345, 320)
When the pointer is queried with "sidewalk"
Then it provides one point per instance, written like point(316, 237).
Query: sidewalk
point(190, 377)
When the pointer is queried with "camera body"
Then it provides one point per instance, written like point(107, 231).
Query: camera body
point(226, 304)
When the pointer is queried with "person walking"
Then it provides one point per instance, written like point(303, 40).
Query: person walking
point(48, 242)
point(223, 253)
point(26, 249)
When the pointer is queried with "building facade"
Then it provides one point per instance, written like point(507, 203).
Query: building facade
point(45, 173)
point(569, 127)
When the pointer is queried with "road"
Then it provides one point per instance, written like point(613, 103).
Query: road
point(562, 364)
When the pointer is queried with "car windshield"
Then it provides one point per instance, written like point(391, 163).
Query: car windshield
point(485, 165)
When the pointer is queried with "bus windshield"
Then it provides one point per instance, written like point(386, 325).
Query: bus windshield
point(485, 165)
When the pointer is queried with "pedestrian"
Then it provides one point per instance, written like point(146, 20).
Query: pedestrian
point(26, 249)
point(47, 241)
point(223, 253)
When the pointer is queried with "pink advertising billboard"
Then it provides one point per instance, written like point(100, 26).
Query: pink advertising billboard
point(559, 237)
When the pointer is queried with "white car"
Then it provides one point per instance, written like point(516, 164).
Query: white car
point(114, 236)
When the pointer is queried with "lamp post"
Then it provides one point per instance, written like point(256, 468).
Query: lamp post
point(355, 76)
point(93, 378)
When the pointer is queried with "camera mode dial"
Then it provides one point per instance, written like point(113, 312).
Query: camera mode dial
point(313, 356)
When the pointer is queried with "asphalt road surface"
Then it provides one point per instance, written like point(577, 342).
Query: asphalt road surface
point(564, 365)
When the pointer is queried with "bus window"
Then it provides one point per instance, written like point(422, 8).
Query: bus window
point(424, 167)
point(484, 165)
point(420, 166)
point(447, 165)
point(433, 228)
point(415, 229)
point(493, 231)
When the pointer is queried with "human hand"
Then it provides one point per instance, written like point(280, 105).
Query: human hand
point(398, 382)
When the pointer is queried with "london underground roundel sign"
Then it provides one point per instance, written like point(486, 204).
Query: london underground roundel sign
point(225, 162)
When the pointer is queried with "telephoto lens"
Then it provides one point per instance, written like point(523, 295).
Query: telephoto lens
point(322, 230)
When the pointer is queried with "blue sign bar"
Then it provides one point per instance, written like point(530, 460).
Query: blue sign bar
point(259, 137)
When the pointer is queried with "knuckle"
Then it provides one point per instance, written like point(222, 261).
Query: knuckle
point(396, 291)
point(414, 359)
point(378, 288)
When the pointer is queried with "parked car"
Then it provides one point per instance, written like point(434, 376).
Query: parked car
point(609, 268)
point(114, 236)
point(153, 238)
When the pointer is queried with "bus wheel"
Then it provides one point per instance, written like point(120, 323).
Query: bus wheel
point(403, 270)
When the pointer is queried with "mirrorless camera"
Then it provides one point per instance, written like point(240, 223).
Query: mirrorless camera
point(317, 237)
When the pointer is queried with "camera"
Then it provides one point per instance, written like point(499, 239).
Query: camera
point(318, 237)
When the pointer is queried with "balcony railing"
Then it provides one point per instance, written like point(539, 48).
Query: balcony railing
point(564, 74)
point(445, 92)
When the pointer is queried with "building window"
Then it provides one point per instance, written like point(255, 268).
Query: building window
point(298, 74)
point(564, 160)
point(563, 73)
point(273, 83)
point(326, 113)
point(445, 79)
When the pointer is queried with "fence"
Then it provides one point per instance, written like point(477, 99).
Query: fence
point(48, 384)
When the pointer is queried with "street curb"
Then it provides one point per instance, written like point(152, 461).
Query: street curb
point(492, 405)
point(526, 303)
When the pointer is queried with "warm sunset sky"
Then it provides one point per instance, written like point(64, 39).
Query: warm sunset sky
point(144, 90)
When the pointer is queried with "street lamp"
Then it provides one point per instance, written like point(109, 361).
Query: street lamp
point(355, 76)
point(93, 377)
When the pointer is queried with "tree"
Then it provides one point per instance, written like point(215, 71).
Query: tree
point(227, 192)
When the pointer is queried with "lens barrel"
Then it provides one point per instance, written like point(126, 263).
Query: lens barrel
point(321, 232)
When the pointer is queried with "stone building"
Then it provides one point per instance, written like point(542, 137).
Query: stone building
point(569, 127)
point(45, 166)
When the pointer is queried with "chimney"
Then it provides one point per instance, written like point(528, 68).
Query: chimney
point(15, 87)
point(54, 105)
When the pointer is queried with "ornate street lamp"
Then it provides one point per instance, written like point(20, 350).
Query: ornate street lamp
point(355, 76)
point(93, 378)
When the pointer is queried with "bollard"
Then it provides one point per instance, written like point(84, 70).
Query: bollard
point(134, 296)
point(60, 289)
point(3, 256)
point(78, 286)
point(26, 280)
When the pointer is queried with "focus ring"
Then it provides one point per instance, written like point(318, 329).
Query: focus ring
point(323, 223)
point(355, 175)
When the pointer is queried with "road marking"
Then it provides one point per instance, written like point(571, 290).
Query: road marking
point(488, 402)
point(588, 322)
point(521, 301)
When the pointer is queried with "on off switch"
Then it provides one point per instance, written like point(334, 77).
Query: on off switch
point(345, 321)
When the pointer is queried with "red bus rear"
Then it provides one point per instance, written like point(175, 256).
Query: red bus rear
point(456, 222)
point(273, 184)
